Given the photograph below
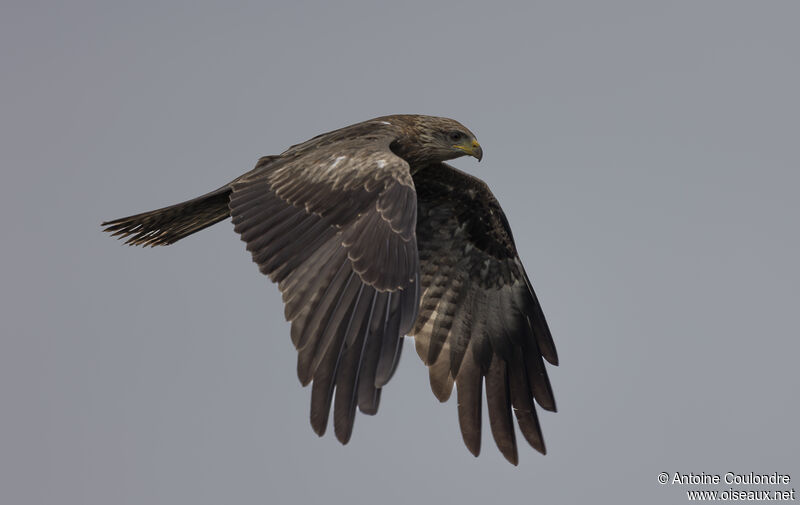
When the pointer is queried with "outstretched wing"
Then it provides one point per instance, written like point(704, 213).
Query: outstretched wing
point(479, 317)
point(333, 223)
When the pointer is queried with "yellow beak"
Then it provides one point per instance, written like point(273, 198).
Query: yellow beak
point(473, 149)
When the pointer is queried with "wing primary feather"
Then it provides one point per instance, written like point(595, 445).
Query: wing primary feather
point(311, 340)
point(293, 257)
point(249, 208)
point(304, 297)
point(360, 313)
point(461, 331)
point(344, 406)
point(468, 388)
point(539, 324)
point(522, 401)
point(440, 378)
point(391, 341)
point(301, 288)
point(264, 226)
point(495, 315)
point(322, 387)
point(443, 322)
point(293, 250)
point(537, 376)
point(410, 304)
point(336, 324)
point(367, 392)
point(498, 402)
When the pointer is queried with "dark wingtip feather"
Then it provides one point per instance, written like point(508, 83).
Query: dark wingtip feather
point(468, 389)
point(498, 402)
point(349, 379)
point(542, 390)
point(371, 408)
point(441, 380)
point(304, 368)
point(549, 353)
point(538, 323)
point(343, 434)
point(392, 340)
point(318, 426)
point(522, 402)
point(323, 385)
point(547, 347)
point(321, 395)
point(372, 350)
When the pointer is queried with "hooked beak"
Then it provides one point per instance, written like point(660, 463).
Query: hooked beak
point(477, 151)
point(473, 149)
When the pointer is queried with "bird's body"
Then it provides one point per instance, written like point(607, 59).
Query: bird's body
point(370, 236)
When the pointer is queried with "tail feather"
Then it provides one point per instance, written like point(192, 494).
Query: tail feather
point(170, 224)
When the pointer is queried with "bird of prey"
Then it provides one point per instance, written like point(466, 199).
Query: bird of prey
point(370, 236)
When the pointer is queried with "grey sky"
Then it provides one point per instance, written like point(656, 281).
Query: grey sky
point(644, 152)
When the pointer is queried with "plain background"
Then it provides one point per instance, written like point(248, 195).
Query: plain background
point(646, 154)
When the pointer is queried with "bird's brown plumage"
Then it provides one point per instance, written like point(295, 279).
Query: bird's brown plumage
point(370, 236)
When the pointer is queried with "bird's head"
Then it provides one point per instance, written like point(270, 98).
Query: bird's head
point(437, 139)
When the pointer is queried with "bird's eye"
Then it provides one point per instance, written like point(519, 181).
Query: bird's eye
point(456, 136)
